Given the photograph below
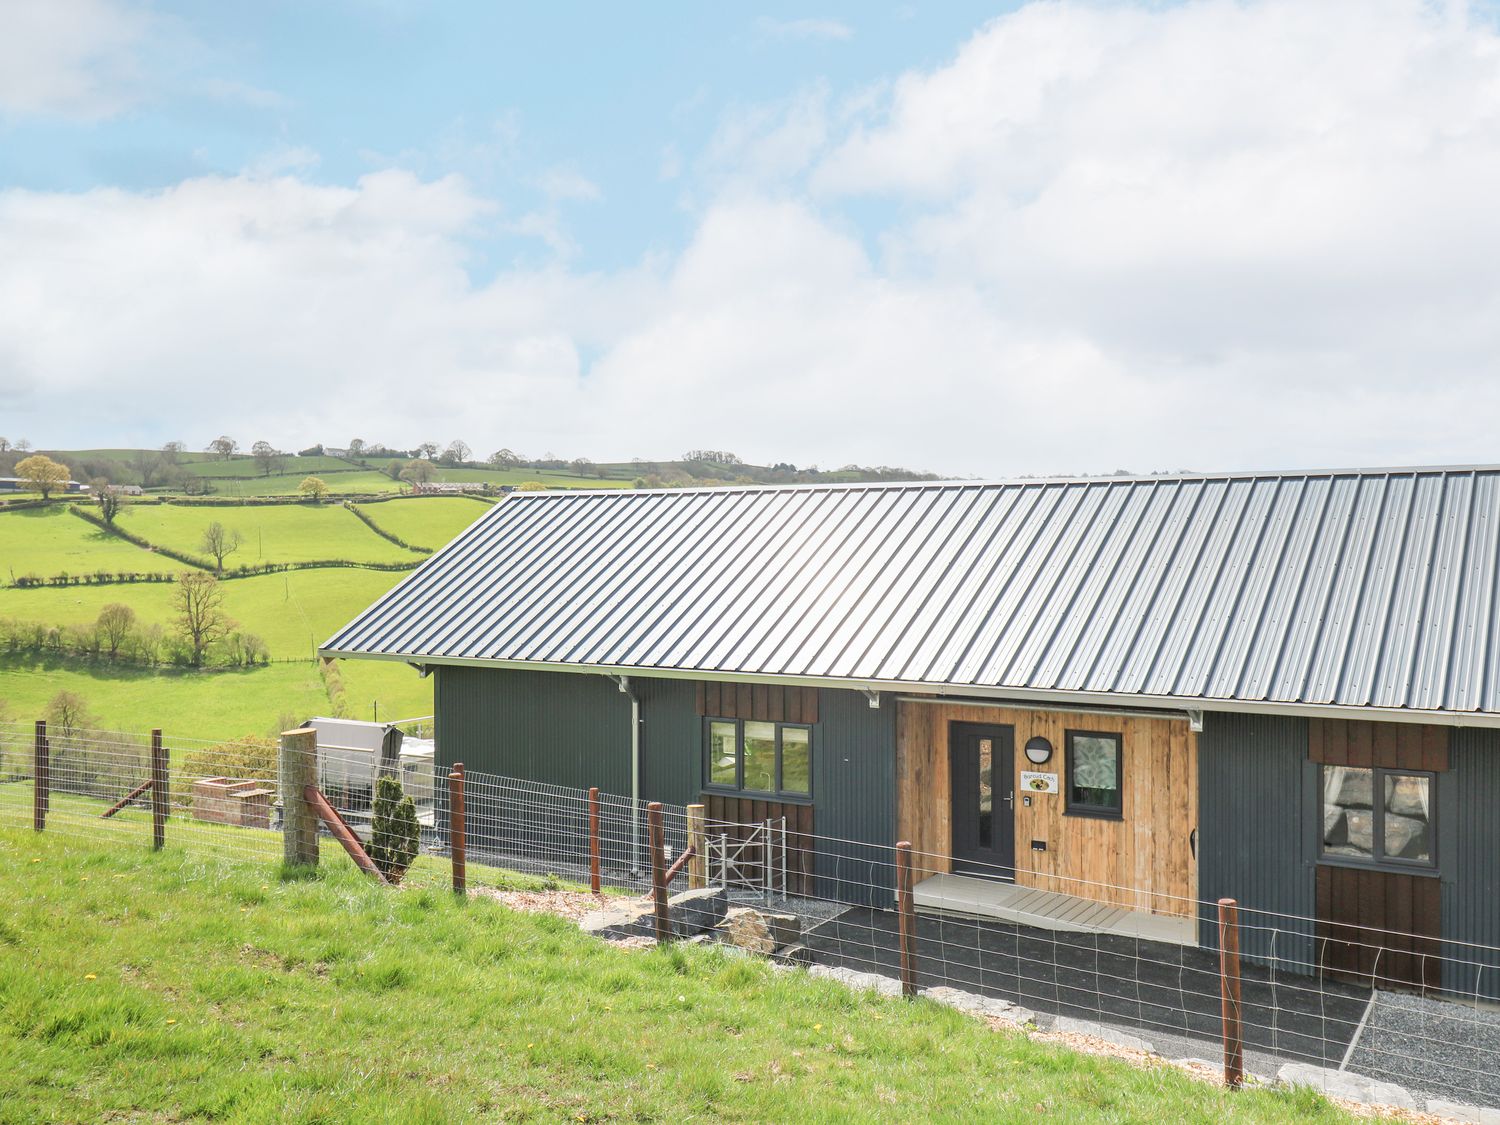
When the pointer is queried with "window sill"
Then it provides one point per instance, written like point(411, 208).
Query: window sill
point(759, 795)
point(1427, 871)
point(1096, 814)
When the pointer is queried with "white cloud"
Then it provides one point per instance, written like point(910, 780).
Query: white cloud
point(835, 30)
point(70, 58)
point(1205, 235)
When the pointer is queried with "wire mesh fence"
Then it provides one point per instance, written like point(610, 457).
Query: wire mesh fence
point(1418, 1011)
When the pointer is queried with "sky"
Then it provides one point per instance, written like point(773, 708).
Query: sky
point(980, 239)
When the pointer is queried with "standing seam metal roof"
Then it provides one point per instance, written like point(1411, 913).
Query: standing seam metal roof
point(1357, 588)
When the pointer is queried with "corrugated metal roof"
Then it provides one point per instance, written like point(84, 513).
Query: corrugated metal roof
point(1370, 589)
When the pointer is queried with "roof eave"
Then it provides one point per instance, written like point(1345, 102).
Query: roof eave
point(960, 691)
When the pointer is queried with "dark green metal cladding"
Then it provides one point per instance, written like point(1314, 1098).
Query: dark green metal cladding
point(559, 728)
point(1257, 795)
point(854, 796)
point(1469, 857)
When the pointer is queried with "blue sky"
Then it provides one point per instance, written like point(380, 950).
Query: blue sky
point(1015, 238)
point(520, 99)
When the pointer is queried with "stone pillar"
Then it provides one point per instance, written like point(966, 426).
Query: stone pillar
point(298, 769)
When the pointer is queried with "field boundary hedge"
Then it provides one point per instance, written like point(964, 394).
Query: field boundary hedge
point(249, 571)
point(145, 544)
point(382, 532)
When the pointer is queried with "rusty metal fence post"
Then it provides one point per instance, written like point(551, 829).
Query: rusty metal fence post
point(658, 871)
point(161, 793)
point(457, 841)
point(594, 839)
point(1229, 992)
point(906, 919)
point(41, 777)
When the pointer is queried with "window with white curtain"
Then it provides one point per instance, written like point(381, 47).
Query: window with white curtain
point(1378, 816)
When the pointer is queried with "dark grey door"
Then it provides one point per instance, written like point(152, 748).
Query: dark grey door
point(982, 772)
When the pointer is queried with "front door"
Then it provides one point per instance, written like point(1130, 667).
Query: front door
point(982, 771)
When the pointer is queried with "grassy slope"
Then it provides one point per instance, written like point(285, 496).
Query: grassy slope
point(220, 991)
point(272, 533)
point(48, 541)
point(426, 521)
point(291, 612)
point(200, 704)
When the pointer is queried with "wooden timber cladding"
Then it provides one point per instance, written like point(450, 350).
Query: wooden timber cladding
point(737, 817)
point(1379, 924)
point(773, 703)
point(1360, 742)
point(1142, 861)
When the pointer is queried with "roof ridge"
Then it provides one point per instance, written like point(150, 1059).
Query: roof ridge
point(1011, 482)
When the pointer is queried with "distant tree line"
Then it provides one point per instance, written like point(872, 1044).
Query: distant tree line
point(201, 633)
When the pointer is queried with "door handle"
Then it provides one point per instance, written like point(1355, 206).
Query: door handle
point(1010, 800)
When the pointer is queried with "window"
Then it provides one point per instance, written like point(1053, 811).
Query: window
point(1378, 816)
point(1093, 763)
point(759, 757)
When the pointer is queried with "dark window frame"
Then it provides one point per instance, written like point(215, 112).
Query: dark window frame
point(780, 793)
point(1081, 808)
point(1381, 861)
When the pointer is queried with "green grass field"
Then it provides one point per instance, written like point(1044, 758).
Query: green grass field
point(361, 482)
point(426, 521)
point(271, 533)
point(243, 466)
point(219, 704)
point(191, 985)
point(50, 540)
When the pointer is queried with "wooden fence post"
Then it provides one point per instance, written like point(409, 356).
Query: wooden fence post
point(594, 839)
point(658, 872)
point(698, 865)
point(906, 919)
point(41, 777)
point(457, 842)
point(1229, 992)
point(298, 769)
point(161, 794)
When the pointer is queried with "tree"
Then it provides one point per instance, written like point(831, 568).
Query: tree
point(23, 446)
point(108, 497)
point(582, 466)
point(393, 470)
point(224, 446)
point(219, 541)
point(201, 620)
point(418, 472)
point(314, 488)
point(356, 447)
point(4, 445)
point(427, 449)
point(68, 712)
point(41, 474)
point(265, 457)
point(456, 453)
point(506, 459)
point(115, 624)
point(393, 829)
point(172, 450)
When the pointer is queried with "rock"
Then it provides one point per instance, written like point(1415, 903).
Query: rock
point(1070, 1026)
point(697, 910)
point(758, 932)
point(746, 928)
point(1473, 1114)
point(971, 1003)
point(629, 919)
point(794, 954)
point(1342, 1084)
